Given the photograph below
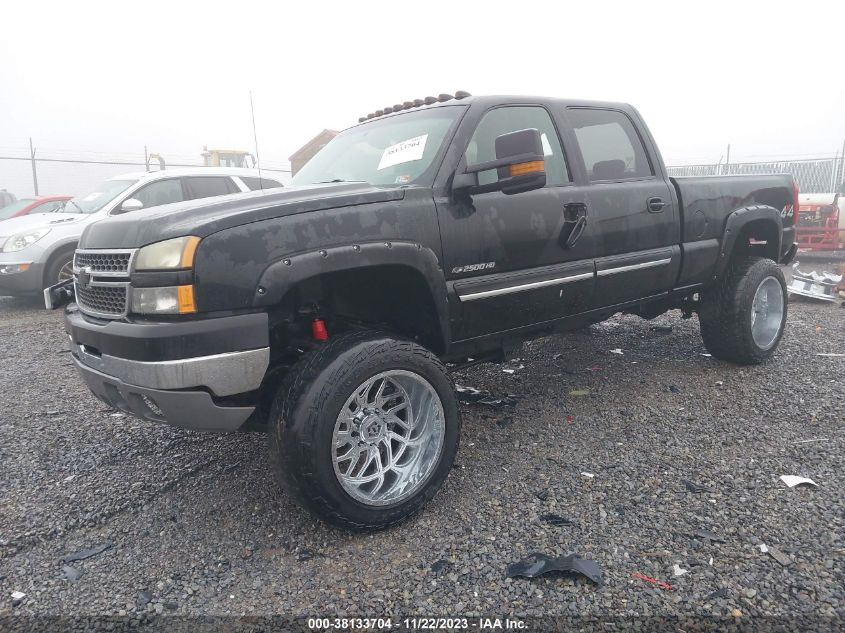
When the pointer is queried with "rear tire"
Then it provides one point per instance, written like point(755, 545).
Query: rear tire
point(743, 316)
point(345, 399)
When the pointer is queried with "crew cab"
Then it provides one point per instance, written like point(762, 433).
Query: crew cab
point(432, 232)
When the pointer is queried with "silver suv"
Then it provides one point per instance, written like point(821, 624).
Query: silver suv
point(36, 250)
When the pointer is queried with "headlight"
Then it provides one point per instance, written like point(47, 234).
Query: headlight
point(22, 240)
point(166, 300)
point(168, 255)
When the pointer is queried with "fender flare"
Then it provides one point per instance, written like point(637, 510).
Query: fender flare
point(733, 229)
point(283, 274)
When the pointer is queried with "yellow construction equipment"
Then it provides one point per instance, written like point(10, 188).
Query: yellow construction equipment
point(227, 158)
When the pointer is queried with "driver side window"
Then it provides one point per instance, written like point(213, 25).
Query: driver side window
point(160, 192)
point(482, 146)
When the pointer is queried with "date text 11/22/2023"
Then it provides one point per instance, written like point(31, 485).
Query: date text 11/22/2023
point(415, 624)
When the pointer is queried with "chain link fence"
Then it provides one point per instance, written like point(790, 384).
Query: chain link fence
point(815, 175)
point(58, 175)
point(77, 174)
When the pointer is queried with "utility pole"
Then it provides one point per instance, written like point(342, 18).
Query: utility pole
point(34, 173)
point(728, 160)
point(146, 158)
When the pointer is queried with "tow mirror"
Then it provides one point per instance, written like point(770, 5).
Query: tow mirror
point(520, 166)
point(131, 204)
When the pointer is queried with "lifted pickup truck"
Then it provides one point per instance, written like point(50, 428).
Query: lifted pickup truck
point(432, 232)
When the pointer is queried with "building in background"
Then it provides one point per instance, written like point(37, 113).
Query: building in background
point(307, 151)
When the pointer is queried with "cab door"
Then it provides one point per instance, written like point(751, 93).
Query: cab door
point(521, 259)
point(632, 208)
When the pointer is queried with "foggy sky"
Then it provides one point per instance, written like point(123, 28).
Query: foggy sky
point(108, 78)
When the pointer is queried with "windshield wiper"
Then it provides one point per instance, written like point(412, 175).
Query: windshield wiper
point(327, 182)
point(81, 210)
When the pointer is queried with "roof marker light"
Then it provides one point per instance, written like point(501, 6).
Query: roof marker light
point(416, 103)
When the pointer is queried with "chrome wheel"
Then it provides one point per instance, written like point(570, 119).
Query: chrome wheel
point(66, 271)
point(767, 313)
point(388, 438)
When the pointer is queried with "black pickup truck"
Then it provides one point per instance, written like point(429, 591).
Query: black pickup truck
point(432, 232)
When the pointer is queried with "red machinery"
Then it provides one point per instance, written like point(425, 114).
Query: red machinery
point(821, 222)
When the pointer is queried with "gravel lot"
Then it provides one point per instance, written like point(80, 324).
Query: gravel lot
point(198, 525)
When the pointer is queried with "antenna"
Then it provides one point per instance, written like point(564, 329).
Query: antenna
point(255, 137)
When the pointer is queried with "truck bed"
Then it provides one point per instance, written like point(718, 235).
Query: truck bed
point(707, 201)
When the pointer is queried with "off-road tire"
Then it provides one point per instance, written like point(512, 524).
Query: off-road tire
point(725, 314)
point(305, 410)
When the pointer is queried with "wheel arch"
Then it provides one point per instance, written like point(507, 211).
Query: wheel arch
point(55, 252)
point(754, 230)
point(359, 275)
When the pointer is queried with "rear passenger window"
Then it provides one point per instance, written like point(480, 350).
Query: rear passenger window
point(160, 192)
point(610, 145)
point(259, 183)
point(208, 186)
point(482, 146)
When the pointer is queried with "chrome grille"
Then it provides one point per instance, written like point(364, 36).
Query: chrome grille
point(101, 281)
point(102, 300)
point(104, 262)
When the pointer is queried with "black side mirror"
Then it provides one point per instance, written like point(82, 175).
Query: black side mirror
point(519, 163)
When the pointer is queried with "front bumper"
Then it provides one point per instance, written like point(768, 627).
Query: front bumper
point(153, 370)
point(22, 283)
point(193, 410)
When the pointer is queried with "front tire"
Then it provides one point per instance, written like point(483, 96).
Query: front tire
point(743, 317)
point(365, 429)
point(59, 269)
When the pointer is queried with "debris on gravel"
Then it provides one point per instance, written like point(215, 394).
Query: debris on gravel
point(658, 583)
point(71, 573)
point(537, 564)
point(794, 480)
point(86, 553)
point(692, 486)
point(182, 508)
point(779, 556)
point(705, 535)
point(555, 520)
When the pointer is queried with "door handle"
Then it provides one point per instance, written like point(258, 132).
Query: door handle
point(577, 232)
point(574, 223)
point(655, 204)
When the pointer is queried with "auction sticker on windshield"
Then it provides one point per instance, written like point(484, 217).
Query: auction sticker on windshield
point(403, 152)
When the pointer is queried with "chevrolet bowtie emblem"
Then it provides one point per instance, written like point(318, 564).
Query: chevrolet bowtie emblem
point(83, 278)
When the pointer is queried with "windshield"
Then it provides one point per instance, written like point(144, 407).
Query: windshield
point(11, 209)
point(97, 199)
point(398, 150)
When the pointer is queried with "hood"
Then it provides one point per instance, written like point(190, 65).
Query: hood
point(204, 217)
point(22, 223)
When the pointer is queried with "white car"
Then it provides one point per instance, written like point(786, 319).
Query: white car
point(36, 250)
